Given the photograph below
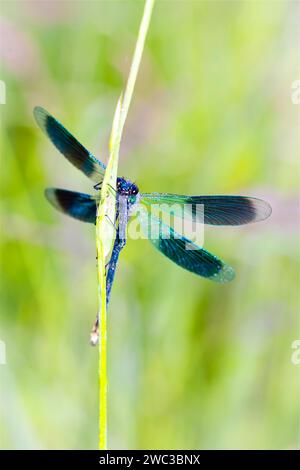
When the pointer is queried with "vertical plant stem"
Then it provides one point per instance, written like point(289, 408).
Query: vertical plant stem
point(102, 229)
point(102, 322)
point(106, 208)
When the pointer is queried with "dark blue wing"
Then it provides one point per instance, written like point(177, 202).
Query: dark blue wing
point(212, 210)
point(183, 251)
point(69, 146)
point(195, 259)
point(77, 205)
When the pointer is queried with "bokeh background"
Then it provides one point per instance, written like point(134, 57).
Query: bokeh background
point(192, 364)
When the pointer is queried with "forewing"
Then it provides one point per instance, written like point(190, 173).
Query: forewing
point(66, 143)
point(212, 210)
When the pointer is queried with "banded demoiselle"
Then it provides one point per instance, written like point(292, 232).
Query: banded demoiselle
point(218, 210)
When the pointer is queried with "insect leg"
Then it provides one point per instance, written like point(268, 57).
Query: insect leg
point(97, 186)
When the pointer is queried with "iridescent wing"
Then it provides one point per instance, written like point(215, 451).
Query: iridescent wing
point(212, 210)
point(177, 248)
point(77, 205)
point(73, 150)
point(183, 251)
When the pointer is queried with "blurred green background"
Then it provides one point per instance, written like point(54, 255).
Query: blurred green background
point(192, 364)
